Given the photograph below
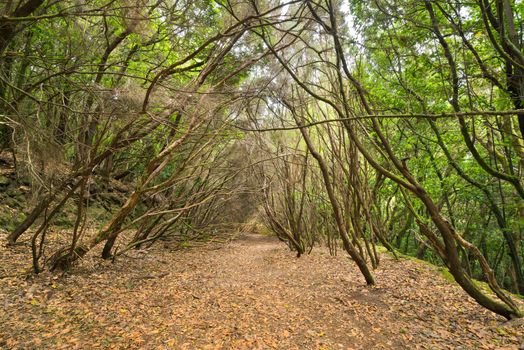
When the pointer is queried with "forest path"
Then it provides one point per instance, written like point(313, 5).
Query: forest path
point(251, 293)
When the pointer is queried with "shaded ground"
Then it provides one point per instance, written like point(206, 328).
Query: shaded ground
point(249, 294)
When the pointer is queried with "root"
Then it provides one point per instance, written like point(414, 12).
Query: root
point(64, 258)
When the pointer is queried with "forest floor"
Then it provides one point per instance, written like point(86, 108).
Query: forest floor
point(251, 293)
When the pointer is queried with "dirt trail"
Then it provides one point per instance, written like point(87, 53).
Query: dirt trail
point(249, 294)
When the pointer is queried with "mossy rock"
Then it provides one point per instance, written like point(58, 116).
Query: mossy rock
point(12, 202)
point(9, 219)
point(16, 193)
point(4, 180)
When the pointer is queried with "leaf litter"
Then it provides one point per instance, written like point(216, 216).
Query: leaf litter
point(251, 293)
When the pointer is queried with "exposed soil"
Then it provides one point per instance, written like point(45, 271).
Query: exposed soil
point(251, 293)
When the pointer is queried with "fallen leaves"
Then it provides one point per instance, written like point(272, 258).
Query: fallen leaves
point(251, 294)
